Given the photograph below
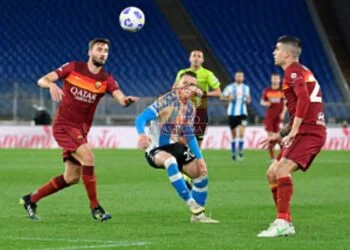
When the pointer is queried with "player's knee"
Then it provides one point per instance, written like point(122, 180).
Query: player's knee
point(271, 175)
point(282, 169)
point(89, 159)
point(72, 179)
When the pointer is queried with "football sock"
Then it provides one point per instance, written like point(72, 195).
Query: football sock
point(89, 180)
point(177, 179)
point(240, 145)
point(274, 192)
point(57, 183)
point(200, 190)
point(271, 151)
point(284, 196)
point(233, 146)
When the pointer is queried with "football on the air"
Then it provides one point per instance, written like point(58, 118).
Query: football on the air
point(132, 19)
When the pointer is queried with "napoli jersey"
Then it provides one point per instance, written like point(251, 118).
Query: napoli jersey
point(238, 105)
point(175, 118)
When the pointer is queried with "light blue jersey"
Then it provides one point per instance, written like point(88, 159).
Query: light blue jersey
point(240, 92)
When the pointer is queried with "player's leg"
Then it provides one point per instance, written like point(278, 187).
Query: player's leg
point(171, 166)
point(232, 121)
point(86, 157)
point(241, 132)
point(272, 180)
point(199, 190)
point(70, 176)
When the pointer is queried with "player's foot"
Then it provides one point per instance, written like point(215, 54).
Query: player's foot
point(30, 207)
point(277, 228)
point(188, 181)
point(194, 207)
point(98, 213)
point(240, 156)
point(202, 218)
point(233, 157)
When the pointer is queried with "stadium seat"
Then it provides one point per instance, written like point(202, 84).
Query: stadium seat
point(243, 35)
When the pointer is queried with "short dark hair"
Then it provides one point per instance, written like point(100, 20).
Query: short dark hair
point(188, 73)
point(275, 74)
point(293, 41)
point(99, 40)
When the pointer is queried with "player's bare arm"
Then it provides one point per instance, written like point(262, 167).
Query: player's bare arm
point(248, 99)
point(227, 98)
point(48, 81)
point(123, 100)
point(283, 113)
point(214, 93)
point(265, 103)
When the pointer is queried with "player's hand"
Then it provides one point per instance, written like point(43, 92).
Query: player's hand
point(288, 140)
point(281, 117)
point(270, 140)
point(128, 100)
point(143, 141)
point(202, 166)
point(56, 93)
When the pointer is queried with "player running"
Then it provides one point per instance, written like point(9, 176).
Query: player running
point(238, 96)
point(206, 80)
point(302, 140)
point(170, 116)
point(83, 87)
point(273, 99)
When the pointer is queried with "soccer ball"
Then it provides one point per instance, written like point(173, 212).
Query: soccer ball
point(131, 19)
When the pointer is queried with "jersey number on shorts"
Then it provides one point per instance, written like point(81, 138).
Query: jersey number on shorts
point(188, 154)
point(314, 93)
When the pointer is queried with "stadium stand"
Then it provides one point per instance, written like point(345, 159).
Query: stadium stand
point(243, 37)
point(33, 43)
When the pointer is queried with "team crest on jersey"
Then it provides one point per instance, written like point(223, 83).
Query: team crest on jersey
point(293, 75)
point(98, 85)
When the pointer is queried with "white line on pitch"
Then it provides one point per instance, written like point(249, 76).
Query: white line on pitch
point(112, 243)
point(121, 244)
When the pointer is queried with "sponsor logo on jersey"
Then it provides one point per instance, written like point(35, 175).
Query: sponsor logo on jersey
point(83, 95)
point(98, 85)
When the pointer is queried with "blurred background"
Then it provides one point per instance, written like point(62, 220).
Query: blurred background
point(38, 36)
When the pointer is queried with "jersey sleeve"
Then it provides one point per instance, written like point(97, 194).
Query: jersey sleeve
point(298, 84)
point(112, 85)
point(264, 95)
point(65, 70)
point(227, 91)
point(213, 81)
point(248, 91)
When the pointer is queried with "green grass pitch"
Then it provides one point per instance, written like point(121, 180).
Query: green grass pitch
point(147, 214)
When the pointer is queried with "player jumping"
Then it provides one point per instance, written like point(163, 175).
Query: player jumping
point(84, 85)
point(172, 115)
point(238, 96)
point(206, 80)
point(273, 99)
point(302, 140)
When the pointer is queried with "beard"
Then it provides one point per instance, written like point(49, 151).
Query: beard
point(98, 63)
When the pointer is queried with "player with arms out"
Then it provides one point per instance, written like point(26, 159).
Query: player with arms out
point(237, 95)
point(206, 80)
point(273, 99)
point(302, 140)
point(84, 85)
point(171, 116)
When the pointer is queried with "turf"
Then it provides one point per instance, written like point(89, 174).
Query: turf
point(147, 214)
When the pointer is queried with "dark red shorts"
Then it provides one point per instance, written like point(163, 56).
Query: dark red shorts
point(272, 124)
point(200, 123)
point(69, 138)
point(304, 149)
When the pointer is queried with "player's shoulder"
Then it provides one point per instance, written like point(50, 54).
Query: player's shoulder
point(295, 71)
point(206, 71)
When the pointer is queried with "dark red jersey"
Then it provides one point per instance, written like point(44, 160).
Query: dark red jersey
point(82, 92)
point(304, 96)
point(276, 98)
